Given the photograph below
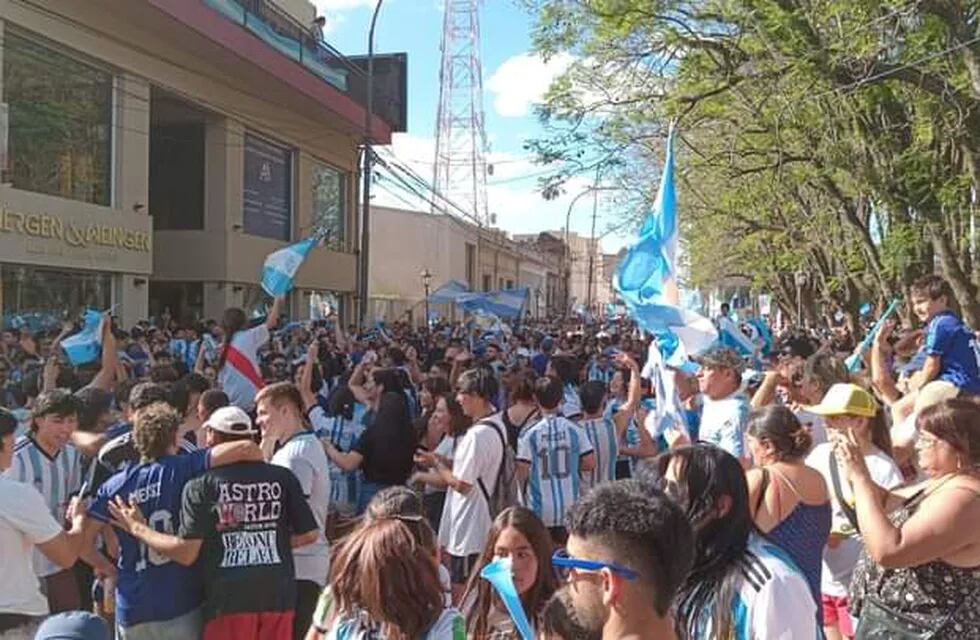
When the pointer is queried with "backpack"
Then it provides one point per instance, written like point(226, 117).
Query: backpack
point(504, 492)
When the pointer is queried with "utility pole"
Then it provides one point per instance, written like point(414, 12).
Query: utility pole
point(595, 208)
point(366, 203)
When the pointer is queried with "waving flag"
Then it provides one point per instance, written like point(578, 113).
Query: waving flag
point(281, 266)
point(648, 273)
point(765, 334)
point(731, 336)
point(448, 293)
point(505, 303)
point(647, 276)
point(86, 345)
point(669, 411)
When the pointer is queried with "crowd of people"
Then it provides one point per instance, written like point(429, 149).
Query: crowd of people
point(262, 479)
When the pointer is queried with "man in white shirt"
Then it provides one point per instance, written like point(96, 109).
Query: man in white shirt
point(466, 517)
point(280, 416)
point(725, 410)
point(26, 524)
point(46, 459)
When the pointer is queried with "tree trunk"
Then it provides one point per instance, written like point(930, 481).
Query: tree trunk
point(963, 288)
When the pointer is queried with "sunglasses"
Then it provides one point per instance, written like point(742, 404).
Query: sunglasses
point(565, 563)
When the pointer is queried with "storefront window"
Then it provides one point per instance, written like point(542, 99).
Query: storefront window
point(43, 297)
point(59, 120)
point(329, 201)
point(267, 202)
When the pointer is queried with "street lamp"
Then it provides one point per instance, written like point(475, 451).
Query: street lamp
point(426, 279)
point(800, 279)
point(566, 257)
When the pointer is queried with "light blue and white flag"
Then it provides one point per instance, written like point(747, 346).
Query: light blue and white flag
point(765, 334)
point(500, 575)
point(647, 276)
point(669, 411)
point(505, 303)
point(448, 293)
point(86, 345)
point(281, 266)
point(648, 273)
point(731, 336)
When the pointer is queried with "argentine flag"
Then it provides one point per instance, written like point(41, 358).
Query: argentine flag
point(86, 345)
point(281, 266)
point(647, 281)
point(647, 276)
point(732, 336)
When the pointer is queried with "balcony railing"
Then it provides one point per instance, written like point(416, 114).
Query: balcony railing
point(282, 32)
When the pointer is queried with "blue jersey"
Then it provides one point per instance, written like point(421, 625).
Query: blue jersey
point(151, 587)
point(553, 448)
point(343, 433)
point(602, 436)
point(955, 344)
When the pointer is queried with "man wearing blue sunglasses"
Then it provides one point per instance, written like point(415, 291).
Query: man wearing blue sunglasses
point(629, 549)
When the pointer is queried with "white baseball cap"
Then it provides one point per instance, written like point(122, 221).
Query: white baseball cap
point(231, 420)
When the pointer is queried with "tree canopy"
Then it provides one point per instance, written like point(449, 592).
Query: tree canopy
point(840, 138)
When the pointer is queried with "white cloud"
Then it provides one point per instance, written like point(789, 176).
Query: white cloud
point(522, 81)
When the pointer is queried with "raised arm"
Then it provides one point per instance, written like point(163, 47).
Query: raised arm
point(306, 375)
point(881, 377)
point(356, 382)
point(106, 377)
point(272, 319)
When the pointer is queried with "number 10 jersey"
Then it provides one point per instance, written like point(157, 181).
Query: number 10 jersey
point(553, 448)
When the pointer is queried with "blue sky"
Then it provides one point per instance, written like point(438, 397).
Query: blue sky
point(513, 79)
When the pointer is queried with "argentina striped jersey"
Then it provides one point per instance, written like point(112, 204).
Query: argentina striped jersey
point(602, 436)
point(57, 478)
point(553, 448)
point(343, 433)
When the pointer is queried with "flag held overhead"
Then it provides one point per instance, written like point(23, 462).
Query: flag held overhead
point(86, 345)
point(281, 266)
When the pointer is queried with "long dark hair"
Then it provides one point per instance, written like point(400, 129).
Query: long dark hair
point(705, 474)
point(389, 378)
point(545, 583)
point(780, 426)
point(233, 321)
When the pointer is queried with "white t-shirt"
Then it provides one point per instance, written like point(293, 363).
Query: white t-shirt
point(57, 479)
point(723, 423)
point(25, 521)
point(466, 519)
point(839, 562)
point(773, 599)
point(304, 456)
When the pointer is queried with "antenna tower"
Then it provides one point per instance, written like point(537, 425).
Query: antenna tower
point(461, 142)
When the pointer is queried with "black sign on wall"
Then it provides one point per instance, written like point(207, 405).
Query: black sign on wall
point(267, 196)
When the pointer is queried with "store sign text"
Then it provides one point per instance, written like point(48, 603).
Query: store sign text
point(41, 225)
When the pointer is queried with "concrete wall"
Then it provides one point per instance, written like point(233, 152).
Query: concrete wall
point(148, 49)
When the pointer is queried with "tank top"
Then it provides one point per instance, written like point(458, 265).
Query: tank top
point(802, 533)
point(936, 595)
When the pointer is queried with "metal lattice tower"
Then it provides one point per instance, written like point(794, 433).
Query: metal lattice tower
point(461, 144)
